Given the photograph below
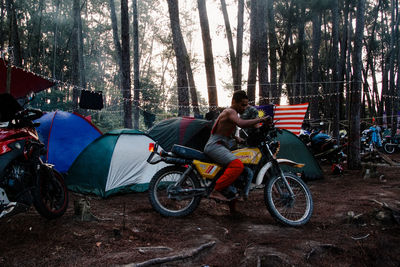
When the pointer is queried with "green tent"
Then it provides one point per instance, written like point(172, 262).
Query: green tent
point(186, 131)
point(294, 149)
point(113, 163)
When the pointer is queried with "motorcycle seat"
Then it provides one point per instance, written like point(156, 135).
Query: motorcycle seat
point(190, 153)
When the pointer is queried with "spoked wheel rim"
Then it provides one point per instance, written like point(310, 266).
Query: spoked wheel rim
point(164, 193)
point(389, 148)
point(293, 208)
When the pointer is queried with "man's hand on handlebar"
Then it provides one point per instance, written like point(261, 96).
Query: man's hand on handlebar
point(267, 119)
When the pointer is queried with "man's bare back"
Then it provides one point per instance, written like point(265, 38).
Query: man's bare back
point(225, 125)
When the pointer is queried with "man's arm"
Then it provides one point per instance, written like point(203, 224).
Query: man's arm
point(246, 123)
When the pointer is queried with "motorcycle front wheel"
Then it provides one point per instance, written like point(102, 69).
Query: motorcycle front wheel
point(169, 200)
point(389, 148)
point(289, 210)
point(50, 194)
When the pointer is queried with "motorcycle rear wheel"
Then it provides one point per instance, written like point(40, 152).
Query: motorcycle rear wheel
point(50, 194)
point(286, 210)
point(389, 148)
point(168, 204)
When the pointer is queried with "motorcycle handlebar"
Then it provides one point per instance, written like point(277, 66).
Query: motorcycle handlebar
point(29, 114)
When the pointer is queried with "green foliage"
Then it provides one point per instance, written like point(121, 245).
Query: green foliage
point(51, 100)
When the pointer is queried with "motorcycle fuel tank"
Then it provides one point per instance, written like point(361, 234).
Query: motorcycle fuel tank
point(248, 155)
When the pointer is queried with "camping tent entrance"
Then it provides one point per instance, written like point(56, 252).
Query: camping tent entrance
point(114, 163)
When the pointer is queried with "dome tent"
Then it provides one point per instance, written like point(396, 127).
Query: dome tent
point(294, 149)
point(186, 131)
point(113, 163)
point(65, 135)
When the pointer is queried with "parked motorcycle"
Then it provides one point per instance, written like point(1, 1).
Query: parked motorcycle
point(24, 178)
point(390, 144)
point(177, 190)
point(323, 147)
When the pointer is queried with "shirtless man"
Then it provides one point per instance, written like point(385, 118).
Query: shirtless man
point(219, 144)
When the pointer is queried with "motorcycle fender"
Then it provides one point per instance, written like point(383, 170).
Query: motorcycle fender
point(268, 165)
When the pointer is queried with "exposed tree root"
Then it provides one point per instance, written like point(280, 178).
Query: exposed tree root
point(181, 256)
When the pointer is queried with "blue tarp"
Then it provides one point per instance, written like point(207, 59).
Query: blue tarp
point(65, 136)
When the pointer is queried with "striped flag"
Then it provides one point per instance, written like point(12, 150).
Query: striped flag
point(290, 117)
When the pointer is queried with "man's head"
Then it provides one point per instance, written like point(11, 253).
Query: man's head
point(240, 101)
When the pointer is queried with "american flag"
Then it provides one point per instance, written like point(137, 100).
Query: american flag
point(290, 117)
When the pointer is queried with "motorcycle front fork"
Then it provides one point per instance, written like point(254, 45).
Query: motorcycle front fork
point(278, 171)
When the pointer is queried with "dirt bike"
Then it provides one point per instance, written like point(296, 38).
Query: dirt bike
point(177, 190)
point(391, 144)
point(24, 178)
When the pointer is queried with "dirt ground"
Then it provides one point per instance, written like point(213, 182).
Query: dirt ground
point(355, 223)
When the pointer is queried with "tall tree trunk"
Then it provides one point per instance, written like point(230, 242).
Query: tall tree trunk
point(372, 106)
point(354, 159)
point(349, 63)
point(235, 58)
point(273, 48)
point(55, 38)
point(392, 55)
point(182, 82)
point(2, 25)
point(232, 56)
point(239, 45)
point(385, 71)
point(262, 52)
point(36, 37)
point(252, 74)
point(343, 53)
point(136, 78)
point(376, 103)
point(208, 55)
point(334, 64)
point(300, 76)
point(126, 65)
point(114, 24)
point(14, 40)
point(398, 52)
point(82, 71)
point(284, 54)
point(75, 54)
point(316, 41)
point(192, 85)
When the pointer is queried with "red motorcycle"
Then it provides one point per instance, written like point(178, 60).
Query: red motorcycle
point(24, 178)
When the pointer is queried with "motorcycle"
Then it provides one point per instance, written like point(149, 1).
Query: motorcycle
point(176, 190)
point(390, 144)
point(326, 148)
point(24, 178)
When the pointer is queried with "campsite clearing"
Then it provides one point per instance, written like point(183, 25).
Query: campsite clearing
point(355, 223)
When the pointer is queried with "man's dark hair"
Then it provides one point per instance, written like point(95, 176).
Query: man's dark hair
point(239, 95)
